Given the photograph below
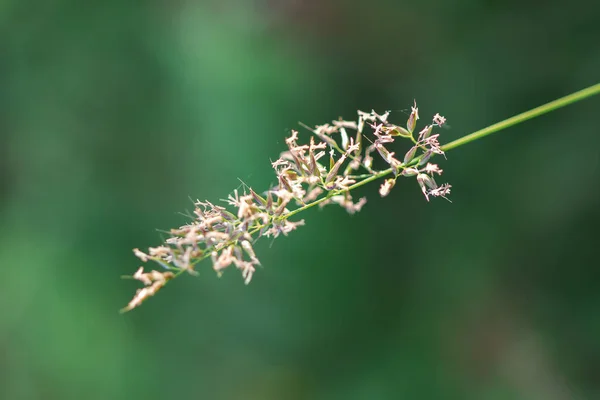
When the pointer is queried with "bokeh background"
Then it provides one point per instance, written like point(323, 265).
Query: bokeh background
point(114, 114)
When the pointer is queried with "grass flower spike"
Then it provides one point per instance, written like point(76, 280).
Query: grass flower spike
point(338, 158)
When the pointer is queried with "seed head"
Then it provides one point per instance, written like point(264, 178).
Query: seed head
point(226, 234)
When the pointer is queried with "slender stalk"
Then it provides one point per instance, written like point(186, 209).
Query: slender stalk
point(307, 206)
point(536, 112)
point(371, 178)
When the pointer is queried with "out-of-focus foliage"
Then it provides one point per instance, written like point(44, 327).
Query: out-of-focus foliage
point(113, 114)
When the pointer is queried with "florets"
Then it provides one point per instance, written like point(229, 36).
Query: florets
point(305, 177)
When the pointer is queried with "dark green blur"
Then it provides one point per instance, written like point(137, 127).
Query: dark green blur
point(114, 114)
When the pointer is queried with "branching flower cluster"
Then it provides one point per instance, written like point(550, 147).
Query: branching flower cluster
point(338, 158)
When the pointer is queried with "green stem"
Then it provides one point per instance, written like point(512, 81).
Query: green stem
point(536, 112)
point(309, 205)
point(371, 178)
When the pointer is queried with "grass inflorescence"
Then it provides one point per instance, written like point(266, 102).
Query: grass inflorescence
point(338, 158)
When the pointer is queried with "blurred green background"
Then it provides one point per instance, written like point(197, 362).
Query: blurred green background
point(113, 114)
